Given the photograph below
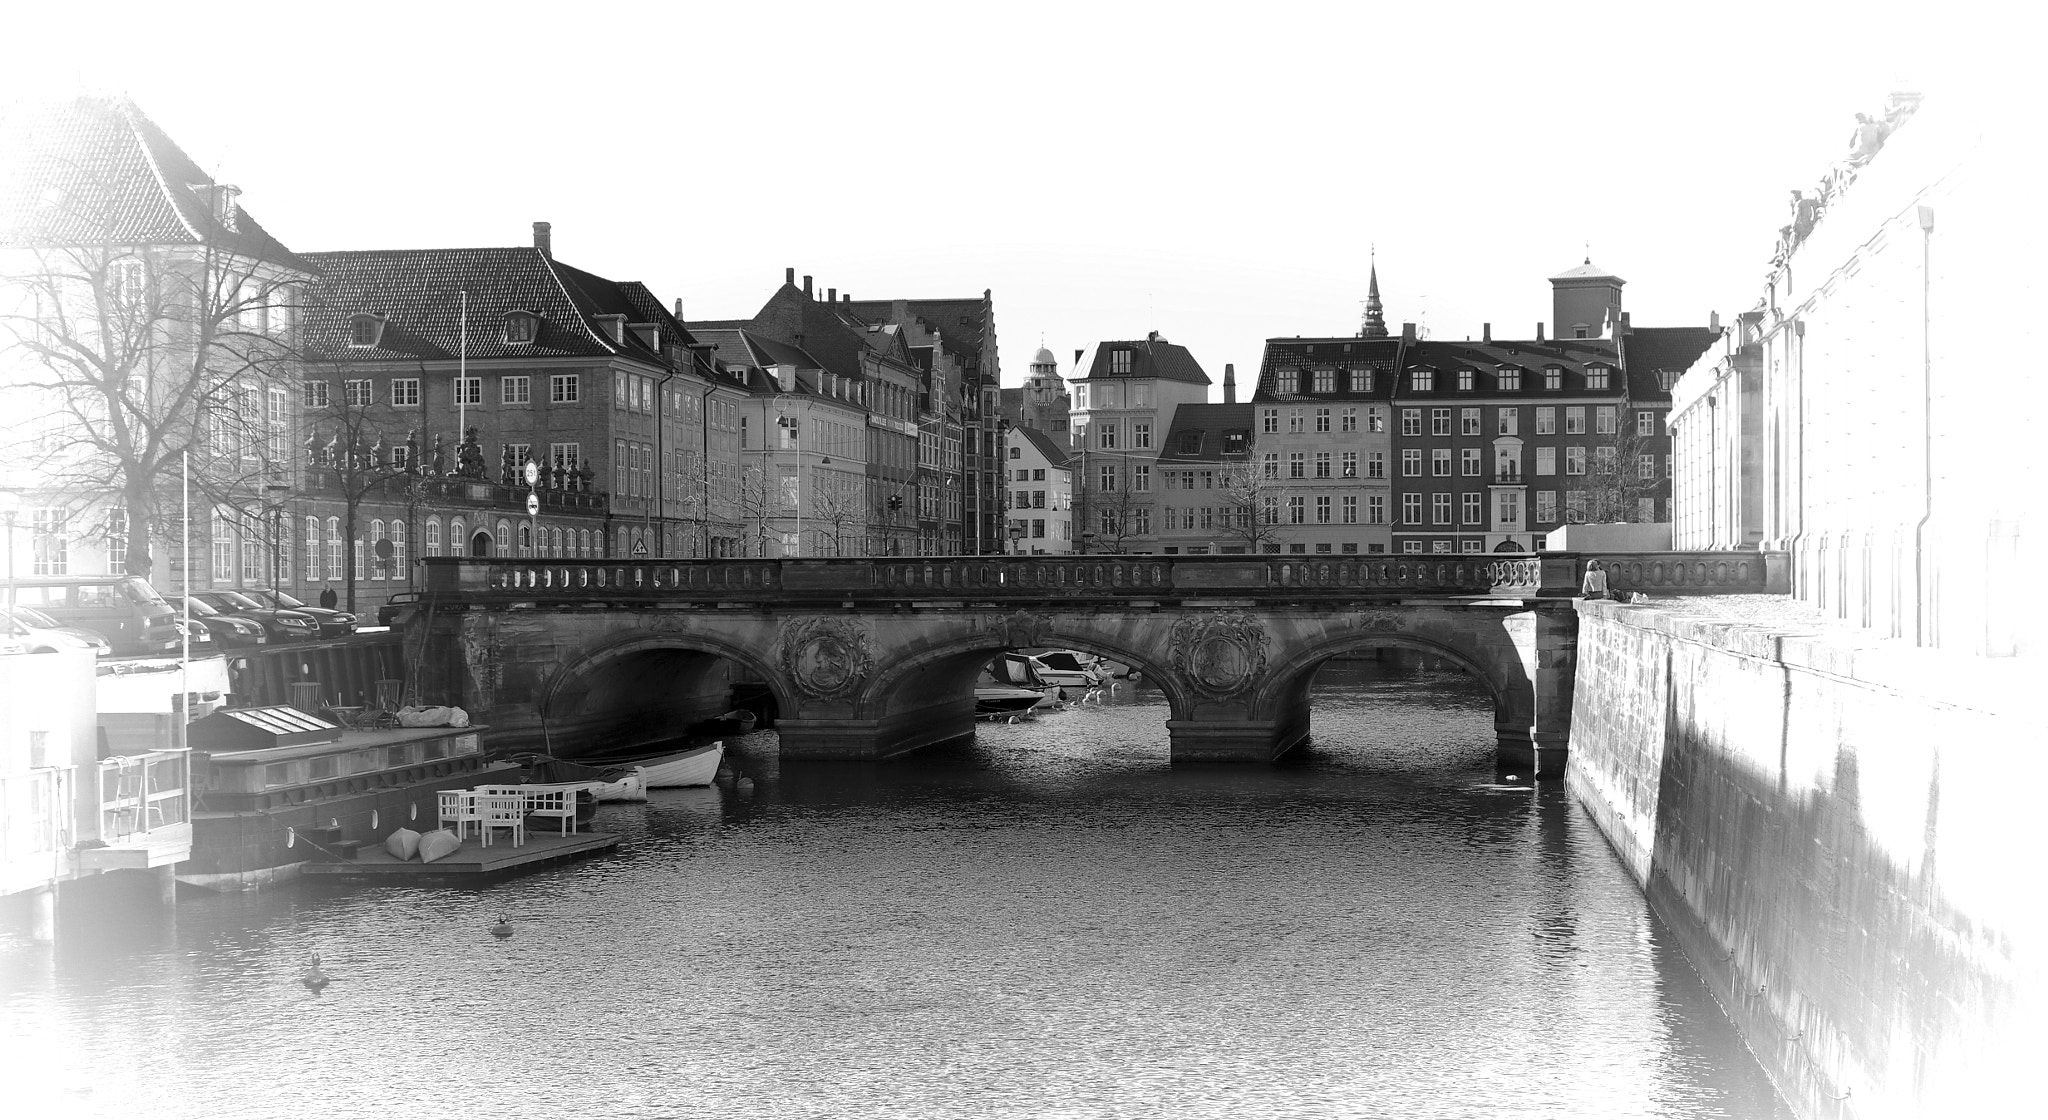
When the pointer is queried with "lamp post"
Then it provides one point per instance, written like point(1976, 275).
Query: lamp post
point(274, 501)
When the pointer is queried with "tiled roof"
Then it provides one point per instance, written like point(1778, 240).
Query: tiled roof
point(747, 353)
point(91, 169)
point(420, 292)
point(1150, 357)
point(1381, 355)
point(1587, 271)
point(1054, 452)
point(1646, 351)
point(1486, 359)
point(1212, 421)
point(961, 324)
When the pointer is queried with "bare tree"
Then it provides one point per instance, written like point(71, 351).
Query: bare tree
point(1615, 485)
point(353, 453)
point(1253, 516)
point(756, 499)
point(837, 518)
point(1108, 513)
point(121, 360)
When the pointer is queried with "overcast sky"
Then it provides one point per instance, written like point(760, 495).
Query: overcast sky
point(1217, 173)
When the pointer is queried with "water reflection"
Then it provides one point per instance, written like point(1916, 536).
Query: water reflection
point(1048, 920)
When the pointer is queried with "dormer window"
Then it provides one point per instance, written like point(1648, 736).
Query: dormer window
point(1326, 381)
point(1236, 443)
point(365, 331)
point(1190, 442)
point(648, 334)
point(1422, 380)
point(521, 327)
point(1553, 378)
point(1596, 377)
point(1510, 379)
point(1119, 361)
point(1666, 379)
point(1464, 380)
point(1287, 382)
point(614, 326)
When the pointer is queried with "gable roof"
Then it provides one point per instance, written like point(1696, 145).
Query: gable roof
point(1380, 355)
point(961, 324)
point(1646, 351)
point(1052, 450)
point(420, 293)
point(1151, 356)
point(92, 169)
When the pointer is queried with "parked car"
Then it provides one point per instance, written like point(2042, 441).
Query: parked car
point(333, 623)
point(387, 614)
point(39, 633)
point(125, 610)
point(229, 631)
point(202, 641)
point(278, 625)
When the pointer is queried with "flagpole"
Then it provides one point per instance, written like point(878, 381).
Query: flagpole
point(462, 377)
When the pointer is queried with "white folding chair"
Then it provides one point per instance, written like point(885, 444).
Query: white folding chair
point(458, 807)
point(502, 810)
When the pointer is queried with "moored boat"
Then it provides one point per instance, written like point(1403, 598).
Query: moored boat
point(1010, 685)
point(694, 767)
point(604, 783)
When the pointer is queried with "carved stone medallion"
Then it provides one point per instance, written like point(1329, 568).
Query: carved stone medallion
point(827, 658)
point(1221, 655)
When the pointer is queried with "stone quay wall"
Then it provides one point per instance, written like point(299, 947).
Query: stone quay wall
point(1837, 828)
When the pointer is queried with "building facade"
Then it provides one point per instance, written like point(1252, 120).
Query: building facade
point(1121, 409)
point(1041, 493)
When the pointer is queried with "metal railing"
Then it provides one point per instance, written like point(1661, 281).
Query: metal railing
point(143, 792)
point(1522, 575)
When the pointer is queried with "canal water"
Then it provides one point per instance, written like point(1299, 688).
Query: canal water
point(1048, 921)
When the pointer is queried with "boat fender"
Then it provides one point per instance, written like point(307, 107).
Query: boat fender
point(503, 929)
point(313, 979)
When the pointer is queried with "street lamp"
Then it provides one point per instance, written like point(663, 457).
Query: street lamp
point(274, 493)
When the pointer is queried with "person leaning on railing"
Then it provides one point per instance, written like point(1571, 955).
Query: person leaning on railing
point(1594, 586)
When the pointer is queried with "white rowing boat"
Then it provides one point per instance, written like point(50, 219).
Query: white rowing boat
point(695, 767)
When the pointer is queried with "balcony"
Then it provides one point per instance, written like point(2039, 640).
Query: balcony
point(145, 811)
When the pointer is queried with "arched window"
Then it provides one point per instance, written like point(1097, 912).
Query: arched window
point(504, 534)
point(398, 562)
point(312, 550)
point(583, 543)
point(376, 570)
point(434, 536)
point(334, 548)
point(458, 537)
point(555, 543)
point(526, 538)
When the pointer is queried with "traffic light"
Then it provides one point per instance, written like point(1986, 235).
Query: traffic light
point(895, 501)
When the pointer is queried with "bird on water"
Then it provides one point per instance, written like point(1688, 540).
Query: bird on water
point(503, 929)
point(313, 978)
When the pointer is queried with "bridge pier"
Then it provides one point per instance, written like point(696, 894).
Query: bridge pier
point(1260, 740)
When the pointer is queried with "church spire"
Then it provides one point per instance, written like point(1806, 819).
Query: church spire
point(1375, 316)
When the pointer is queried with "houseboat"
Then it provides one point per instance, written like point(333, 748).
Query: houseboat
point(277, 787)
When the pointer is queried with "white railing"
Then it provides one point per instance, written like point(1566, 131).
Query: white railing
point(143, 792)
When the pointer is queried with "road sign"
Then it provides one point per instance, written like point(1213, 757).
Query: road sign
point(533, 505)
point(532, 473)
point(640, 549)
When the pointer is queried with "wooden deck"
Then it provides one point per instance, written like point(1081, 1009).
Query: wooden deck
point(373, 862)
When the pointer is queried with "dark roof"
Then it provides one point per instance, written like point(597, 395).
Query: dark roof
point(1645, 351)
point(961, 324)
point(1571, 355)
point(746, 353)
point(1380, 355)
point(91, 169)
point(1588, 271)
point(420, 292)
point(1151, 357)
point(1054, 452)
point(1212, 421)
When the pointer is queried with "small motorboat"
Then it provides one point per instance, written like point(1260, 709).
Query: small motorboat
point(694, 767)
point(1089, 670)
point(1010, 686)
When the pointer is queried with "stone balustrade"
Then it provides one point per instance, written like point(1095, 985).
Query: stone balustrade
point(1541, 575)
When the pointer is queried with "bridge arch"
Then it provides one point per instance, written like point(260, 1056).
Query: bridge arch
point(947, 660)
point(1499, 669)
point(647, 681)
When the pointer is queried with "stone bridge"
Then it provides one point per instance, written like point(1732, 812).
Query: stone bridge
point(868, 658)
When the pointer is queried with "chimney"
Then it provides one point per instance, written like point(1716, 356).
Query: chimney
point(789, 276)
point(544, 239)
point(848, 297)
point(831, 295)
point(807, 287)
point(1407, 332)
point(1229, 383)
point(679, 309)
point(1486, 332)
point(1714, 321)
point(1539, 332)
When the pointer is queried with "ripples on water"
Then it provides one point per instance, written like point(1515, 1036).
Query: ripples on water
point(1045, 922)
